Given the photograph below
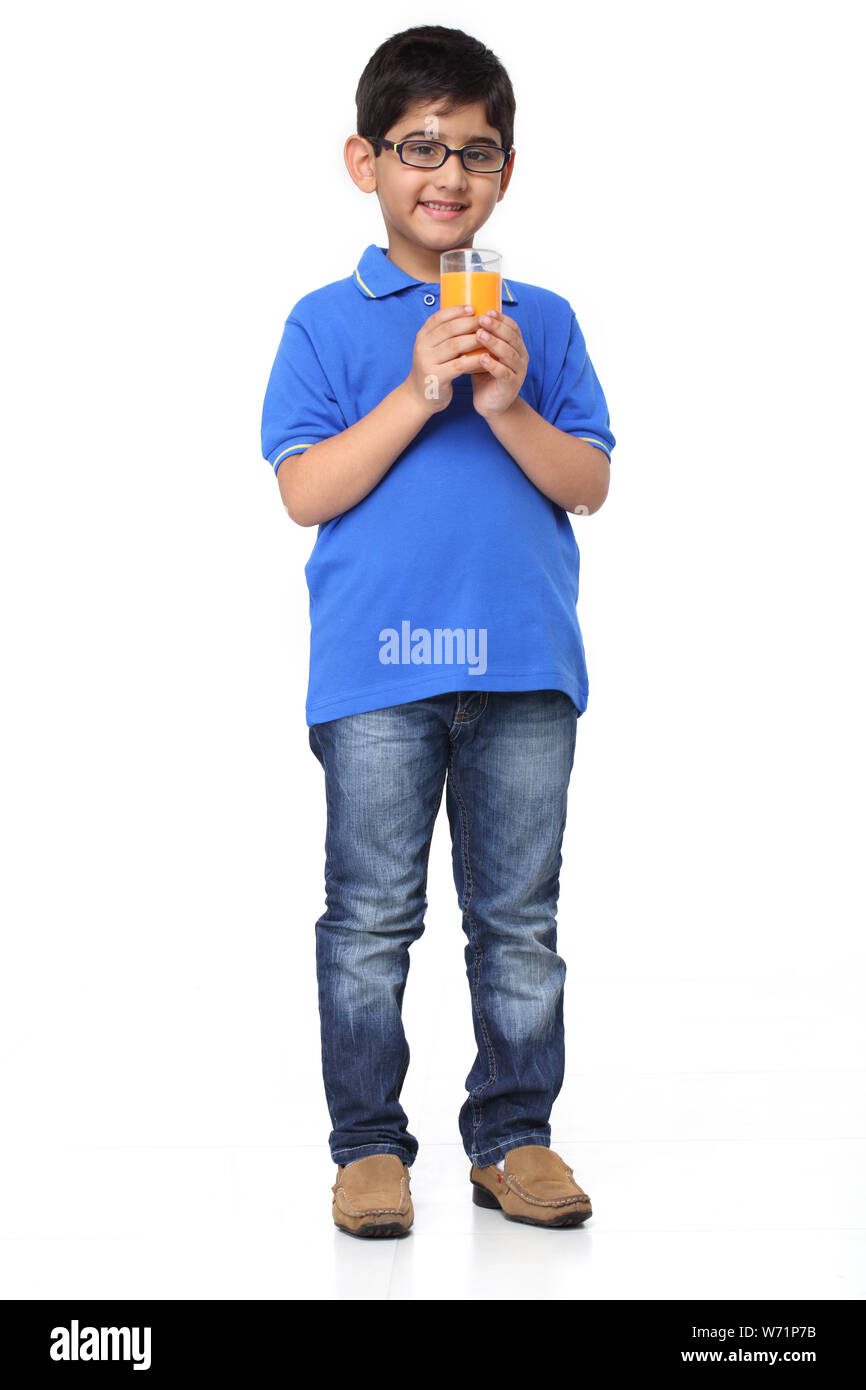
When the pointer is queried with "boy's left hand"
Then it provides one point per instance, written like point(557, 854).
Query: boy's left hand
point(497, 387)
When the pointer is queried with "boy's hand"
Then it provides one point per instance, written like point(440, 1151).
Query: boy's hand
point(505, 363)
point(440, 355)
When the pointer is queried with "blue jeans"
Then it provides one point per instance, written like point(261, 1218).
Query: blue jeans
point(506, 760)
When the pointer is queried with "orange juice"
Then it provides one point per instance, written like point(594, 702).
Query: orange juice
point(480, 288)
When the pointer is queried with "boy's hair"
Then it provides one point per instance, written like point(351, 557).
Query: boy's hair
point(430, 63)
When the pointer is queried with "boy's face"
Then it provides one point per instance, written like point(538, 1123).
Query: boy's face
point(416, 235)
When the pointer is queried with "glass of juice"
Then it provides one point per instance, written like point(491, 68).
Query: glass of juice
point(471, 276)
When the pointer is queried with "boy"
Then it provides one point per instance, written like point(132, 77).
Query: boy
point(445, 646)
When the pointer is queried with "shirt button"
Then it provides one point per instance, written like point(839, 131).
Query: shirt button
point(429, 299)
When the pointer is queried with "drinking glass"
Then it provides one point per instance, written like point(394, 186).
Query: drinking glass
point(471, 276)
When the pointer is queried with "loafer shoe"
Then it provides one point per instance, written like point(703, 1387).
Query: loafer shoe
point(536, 1187)
point(372, 1197)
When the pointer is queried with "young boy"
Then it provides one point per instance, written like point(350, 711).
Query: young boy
point(445, 645)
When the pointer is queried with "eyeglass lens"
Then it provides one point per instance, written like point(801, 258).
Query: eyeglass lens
point(428, 154)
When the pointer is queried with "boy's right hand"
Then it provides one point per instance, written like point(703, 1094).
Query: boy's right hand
point(441, 349)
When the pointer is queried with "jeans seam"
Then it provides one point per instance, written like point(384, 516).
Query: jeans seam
point(474, 1097)
point(510, 1143)
point(462, 717)
point(375, 1148)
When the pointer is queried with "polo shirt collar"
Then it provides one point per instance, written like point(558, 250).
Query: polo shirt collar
point(375, 277)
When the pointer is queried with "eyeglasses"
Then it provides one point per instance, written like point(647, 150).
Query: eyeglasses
point(431, 154)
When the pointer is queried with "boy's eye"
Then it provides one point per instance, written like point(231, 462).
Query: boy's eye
point(427, 153)
point(477, 154)
point(417, 151)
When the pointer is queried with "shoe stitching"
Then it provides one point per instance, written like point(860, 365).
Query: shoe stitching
point(373, 1211)
point(348, 1210)
point(521, 1192)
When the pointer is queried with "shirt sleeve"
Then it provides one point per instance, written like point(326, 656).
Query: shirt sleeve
point(300, 408)
point(575, 402)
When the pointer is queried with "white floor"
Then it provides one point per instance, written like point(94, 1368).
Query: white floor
point(763, 1217)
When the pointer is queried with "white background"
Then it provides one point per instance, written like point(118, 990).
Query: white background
point(689, 177)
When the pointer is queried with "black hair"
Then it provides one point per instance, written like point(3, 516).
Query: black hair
point(429, 62)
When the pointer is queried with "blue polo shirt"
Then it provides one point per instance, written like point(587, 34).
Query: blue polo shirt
point(455, 573)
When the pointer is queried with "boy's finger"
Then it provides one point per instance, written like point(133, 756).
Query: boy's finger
point(500, 324)
point(456, 346)
point(448, 331)
point(453, 311)
point(460, 322)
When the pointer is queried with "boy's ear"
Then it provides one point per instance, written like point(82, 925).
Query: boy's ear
point(360, 162)
point(506, 177)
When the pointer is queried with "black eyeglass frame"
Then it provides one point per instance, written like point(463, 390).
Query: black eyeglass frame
point(416, 139)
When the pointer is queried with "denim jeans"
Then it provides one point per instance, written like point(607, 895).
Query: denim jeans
point(505, 759)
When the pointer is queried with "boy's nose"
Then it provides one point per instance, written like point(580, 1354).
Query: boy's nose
point(460, 171)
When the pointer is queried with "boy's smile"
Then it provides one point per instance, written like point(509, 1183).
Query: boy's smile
point(428, 211)
point(443, 212)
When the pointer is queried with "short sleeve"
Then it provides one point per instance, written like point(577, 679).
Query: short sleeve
point(575, 402)
point(300, 408)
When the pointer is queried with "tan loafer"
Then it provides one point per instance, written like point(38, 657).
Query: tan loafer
point(537, 1188)
point(372, 1198)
